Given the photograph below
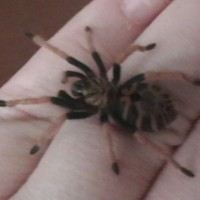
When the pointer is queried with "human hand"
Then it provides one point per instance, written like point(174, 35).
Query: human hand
point(76, 165)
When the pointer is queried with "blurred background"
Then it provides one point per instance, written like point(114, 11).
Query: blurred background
point(42, 16)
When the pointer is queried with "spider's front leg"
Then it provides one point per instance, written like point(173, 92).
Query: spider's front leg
point(70, 59)
point(27, 101)
point(77, 111)
point(116, 66)
point(132, 49)
point(120, 58)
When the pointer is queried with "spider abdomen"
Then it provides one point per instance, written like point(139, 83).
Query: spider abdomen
point(145, 108)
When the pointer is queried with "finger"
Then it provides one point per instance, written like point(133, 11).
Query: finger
point(88, 159)
point(41, 74)
point(178, 50)
point(77, 166)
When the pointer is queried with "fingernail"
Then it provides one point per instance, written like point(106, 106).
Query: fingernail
point(143, 11)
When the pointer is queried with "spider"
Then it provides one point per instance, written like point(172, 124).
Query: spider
point(139, 105)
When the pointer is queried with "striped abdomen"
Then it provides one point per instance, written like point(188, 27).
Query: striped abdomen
point(145, 107)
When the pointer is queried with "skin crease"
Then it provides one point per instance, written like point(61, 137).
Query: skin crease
point(76, 165)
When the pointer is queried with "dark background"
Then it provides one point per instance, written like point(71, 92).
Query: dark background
point(42, 16)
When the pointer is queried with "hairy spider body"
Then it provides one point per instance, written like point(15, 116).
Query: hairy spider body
point(143, 107)
point(135, 105)
point(138, 105)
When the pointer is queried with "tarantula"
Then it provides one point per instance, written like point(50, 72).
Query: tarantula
point(138, 105)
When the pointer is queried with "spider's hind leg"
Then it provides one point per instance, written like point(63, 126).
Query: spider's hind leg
point(160, 150)
point(52, 131)
point(106, 129)
point(120, 59)
point(152, 76)
point(70, 59)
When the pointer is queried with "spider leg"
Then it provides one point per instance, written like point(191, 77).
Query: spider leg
point(151, 76)
point(123, 56)
point(78, 111)
point(27, 101)
point(53, 129)
point(114, 163)
point(80, 114)
point(72, 74)
point(133, 49)
point(95, 55)
point(51, 132)
point(116, 73)
point(97, 58)
point(43, 43)
point(65, 100)
point(158, 149)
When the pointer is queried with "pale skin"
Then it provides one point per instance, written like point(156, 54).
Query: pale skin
point(76, 165)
